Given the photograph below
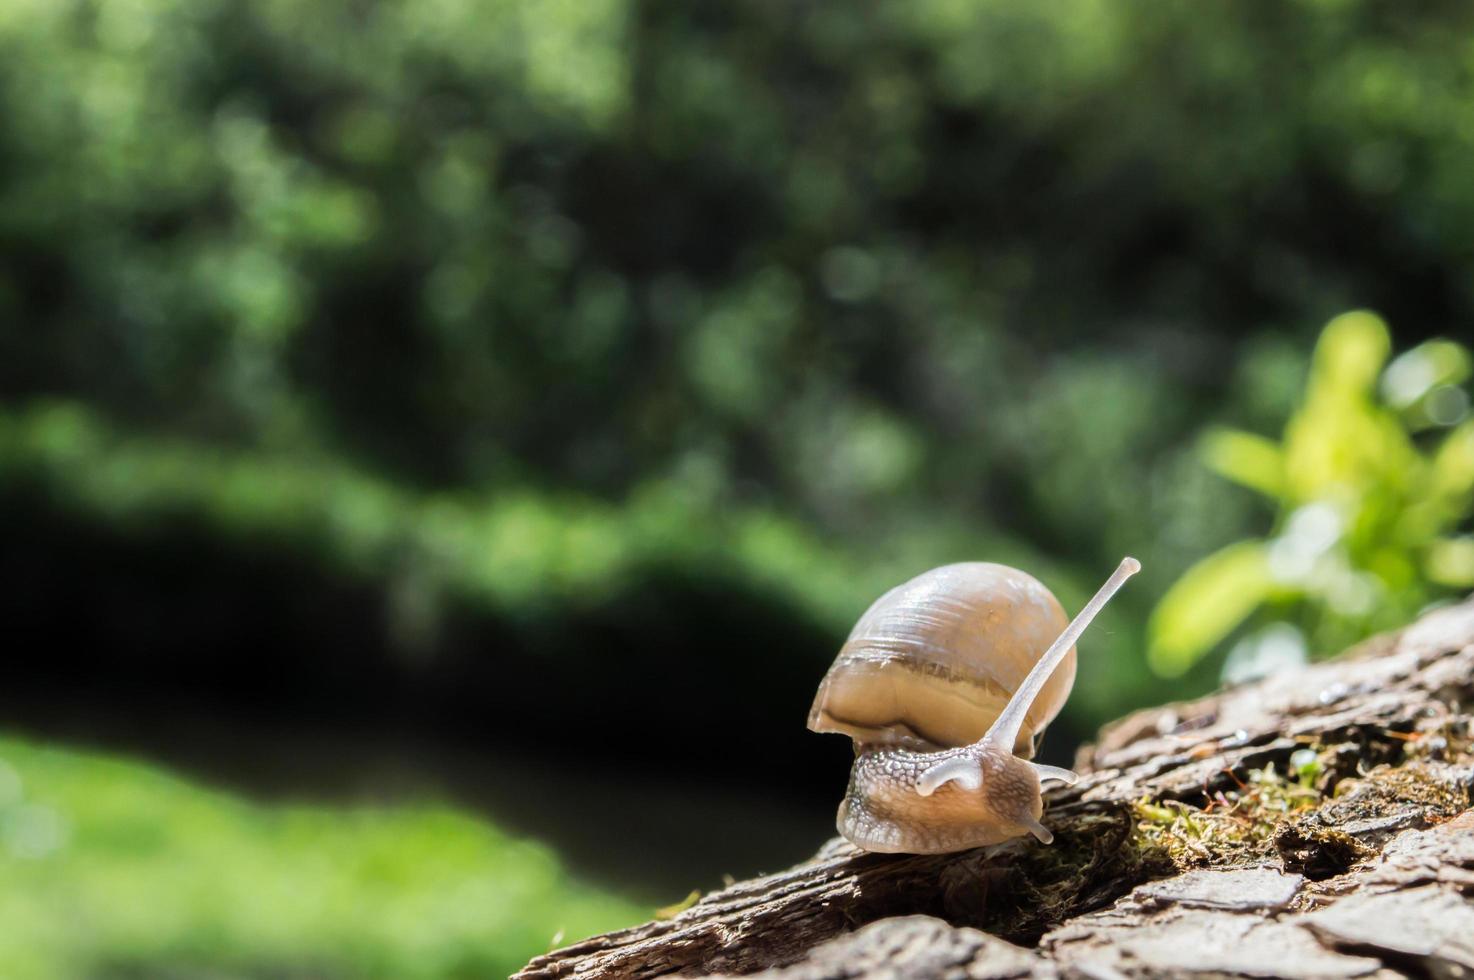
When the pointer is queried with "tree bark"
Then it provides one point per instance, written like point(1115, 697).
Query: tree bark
point(1193, 845)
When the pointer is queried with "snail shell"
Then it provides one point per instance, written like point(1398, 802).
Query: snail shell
point(932, 663)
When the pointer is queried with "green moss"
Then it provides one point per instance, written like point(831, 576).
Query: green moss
point(1233, 825)
point(1297, 820)
point(1319, 843)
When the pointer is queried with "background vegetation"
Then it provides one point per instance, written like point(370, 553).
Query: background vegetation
point(522, 399)
point(115, 869)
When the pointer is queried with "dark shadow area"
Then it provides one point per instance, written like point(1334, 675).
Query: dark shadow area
point(252, 664)
point(646, 758)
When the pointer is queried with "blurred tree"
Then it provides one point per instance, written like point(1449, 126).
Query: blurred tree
point(932, 276)
point(590, 243)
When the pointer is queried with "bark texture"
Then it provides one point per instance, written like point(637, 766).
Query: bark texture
point(1193, 845)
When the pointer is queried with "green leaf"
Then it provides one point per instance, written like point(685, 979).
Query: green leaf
point(1205, 605)
point(1351, 351)
point(1450, 561)
point(1413, 374)
point(1444, 498)
point(1247, 459)
point(1341, 440)
point(1453, 464)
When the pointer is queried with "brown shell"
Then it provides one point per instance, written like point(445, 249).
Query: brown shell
point(934, 660)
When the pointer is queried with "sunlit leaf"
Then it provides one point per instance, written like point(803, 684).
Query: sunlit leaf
point(676, 908)
point(1342, 444)
point(1453, 464)
point(1450, 562)
point(1415, 373)
point(1205, 605)
point(1351, 351)
point(1247, 459)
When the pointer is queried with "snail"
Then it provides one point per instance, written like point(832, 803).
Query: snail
point(944, 684)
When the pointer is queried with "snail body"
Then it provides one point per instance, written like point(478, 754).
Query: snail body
point(943, 684)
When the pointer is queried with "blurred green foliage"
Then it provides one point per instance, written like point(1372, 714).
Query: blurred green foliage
point(116, 869)
point(519, 555)
point(517, 550)
point(819, 259)
point(1372, 485)
point(505, 303)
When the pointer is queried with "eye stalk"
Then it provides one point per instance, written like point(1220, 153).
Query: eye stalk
point(966, 769)
point(963, 770)
point(1005, 730)
point(994, 750)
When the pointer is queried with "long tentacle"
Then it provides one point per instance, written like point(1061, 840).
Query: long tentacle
point(1005, 730)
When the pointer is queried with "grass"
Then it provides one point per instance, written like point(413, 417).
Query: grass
point(112, 868)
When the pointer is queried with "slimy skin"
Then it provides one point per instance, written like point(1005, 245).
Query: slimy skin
point(915, 802)
point(992, 797)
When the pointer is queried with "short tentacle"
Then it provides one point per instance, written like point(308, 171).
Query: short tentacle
point(962, 769)
point(1041, 832)
point(1046, 773)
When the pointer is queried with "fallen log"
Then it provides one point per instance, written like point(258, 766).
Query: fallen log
point(1312, 824)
